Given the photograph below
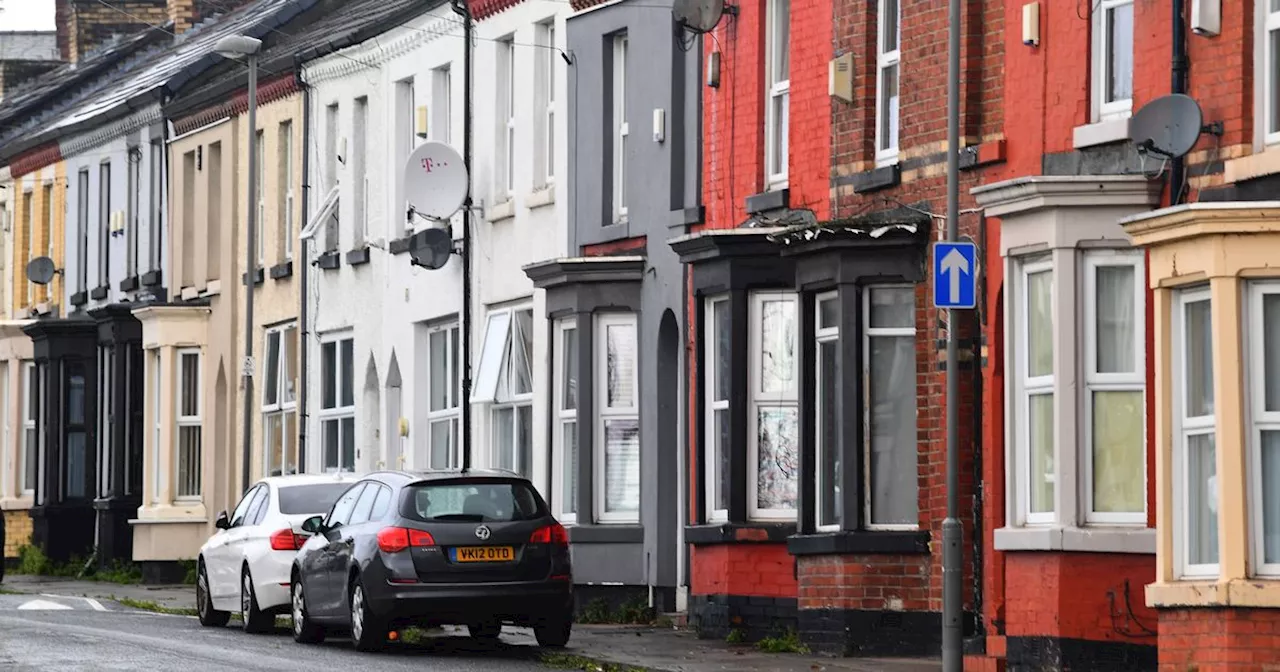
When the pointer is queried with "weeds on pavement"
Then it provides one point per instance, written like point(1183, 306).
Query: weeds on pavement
point(635, 611)
point(788, 642)
point(148, 605)
point(567, 661)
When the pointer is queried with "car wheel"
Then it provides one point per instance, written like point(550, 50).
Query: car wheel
point(304, 630)
point(553, 631)
point(254, 620)
point(367, 632)
point(485, 629)
point(209, 617)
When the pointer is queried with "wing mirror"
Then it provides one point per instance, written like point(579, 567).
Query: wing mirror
point(223, 522)
point(313, 525)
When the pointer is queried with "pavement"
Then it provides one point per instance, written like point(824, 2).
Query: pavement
point(60, 624)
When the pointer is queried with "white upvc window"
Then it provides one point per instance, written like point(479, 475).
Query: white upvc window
point(511, 413)
point(829, 508)
point(286, 190)
point(104, 224)
point(891, 464)
point(621, 127)
point(82, 232)
point(189, 427)
point(716, 340)
point(260, 189)
point(1034, 384)
point(441, 101)
point(337, 404)
point(1112, 72)
point(617, 431)
point(1114, 405)
point(156, 170)
point(1269, 50)
point(773, 449)
point(1195, 481)
point(1263, 375)
point(134, 174)
point(506, 54)
point(280, 401)
point(549, 55)
point(443, 390)
point(360, 168)
point(888, 76)
point(28, 457)
point(777, 127)
point(565, 431)
point(157, 426)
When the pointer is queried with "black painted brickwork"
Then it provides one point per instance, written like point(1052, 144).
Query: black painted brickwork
point(715, 616)
point(1053, 654)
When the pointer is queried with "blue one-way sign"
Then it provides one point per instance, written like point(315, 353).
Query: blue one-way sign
point(954, 270)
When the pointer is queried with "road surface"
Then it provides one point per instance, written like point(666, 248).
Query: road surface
point(47, 633)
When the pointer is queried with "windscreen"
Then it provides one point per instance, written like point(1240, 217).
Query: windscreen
point(310, 499)
point(497, 502)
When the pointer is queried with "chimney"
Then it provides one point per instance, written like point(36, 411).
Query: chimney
point(84, 25)
point(183, 15)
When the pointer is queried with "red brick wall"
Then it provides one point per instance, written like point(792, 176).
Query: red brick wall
point(1079, 596)
point(870, 582)
point(1219, 640)
point(752, 569)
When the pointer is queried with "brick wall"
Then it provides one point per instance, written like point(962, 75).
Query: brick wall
point(750, 569)
point(1219, 640)
point(17, 532)
point(870, 582)
point(1079, 596)
point(85, 24)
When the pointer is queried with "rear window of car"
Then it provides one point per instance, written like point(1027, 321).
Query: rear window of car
point(497, 502)
point(313, 499)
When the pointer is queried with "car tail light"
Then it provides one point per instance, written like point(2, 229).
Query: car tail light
point(396, 539)
point(286, 540)
point(551, 534)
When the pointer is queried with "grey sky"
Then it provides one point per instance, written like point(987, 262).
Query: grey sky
point(26, 15)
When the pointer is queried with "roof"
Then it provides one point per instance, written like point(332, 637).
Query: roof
point(405, 476)
point(168, 69)
point(327, 27)
point(308, 479)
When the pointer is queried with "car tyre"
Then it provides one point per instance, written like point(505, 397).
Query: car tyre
point(209, 617)
point(367, 631)
point(553, 631)
point(485, 629)
point(255, 621)
point(305, 631)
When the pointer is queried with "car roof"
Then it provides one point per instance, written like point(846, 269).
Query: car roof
point(405, 477)
point(309, 479)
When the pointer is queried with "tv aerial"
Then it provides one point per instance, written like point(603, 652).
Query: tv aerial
point(700, 16)
point(41, 270)
point(435, 181)
point(1170, 126)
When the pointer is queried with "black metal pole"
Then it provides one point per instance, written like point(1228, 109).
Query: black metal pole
point(1177, 179)
point(952, 528)
point(460, 6)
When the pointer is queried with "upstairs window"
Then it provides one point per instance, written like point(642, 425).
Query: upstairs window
point(280, 401)
point(360, 171)
point(82, 231)
point(260, 197)
point(777, 109)
point(548, 56)
point(1113, 59)
point(285, 195)
point(104, 224)
point(442, 102)
point(156, 167)
point(621, 128)
point(131, 220)
point(506, 105)
point(888, 36)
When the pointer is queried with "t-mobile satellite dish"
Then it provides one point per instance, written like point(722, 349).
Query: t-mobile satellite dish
point(698, 16)
point(435, 180)
point(41, 270)
point(430, 248)
point(1168, 126)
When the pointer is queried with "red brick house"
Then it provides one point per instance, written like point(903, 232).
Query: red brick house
point(817, 437)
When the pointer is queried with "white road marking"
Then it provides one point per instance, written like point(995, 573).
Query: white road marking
point(43, 605)
point(97, 606)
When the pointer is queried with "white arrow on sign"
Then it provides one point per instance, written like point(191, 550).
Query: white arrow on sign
point(44, 605)
point(955, 265)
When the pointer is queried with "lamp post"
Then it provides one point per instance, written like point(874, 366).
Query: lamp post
point(237, 47)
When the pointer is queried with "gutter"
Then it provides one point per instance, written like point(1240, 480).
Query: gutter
point(304, 270)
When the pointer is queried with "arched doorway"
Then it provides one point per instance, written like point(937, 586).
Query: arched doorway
point(371, 429)
point(672, 562)
point(395, 411)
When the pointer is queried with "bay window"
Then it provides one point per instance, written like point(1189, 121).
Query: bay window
point(617, 457)
point(1035, 392)
point(442, 394)
point(565, 414)
point(190, 426)
point(773, 449)
point(1194, 450)
point(280, 401)
point(28, 454)
point(1263, 466)
point(338, 405)
point(717, 367)
point(827, 477)
point(889, 361)
point(505, 381)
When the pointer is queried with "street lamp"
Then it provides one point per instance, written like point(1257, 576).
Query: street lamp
point(237, 47)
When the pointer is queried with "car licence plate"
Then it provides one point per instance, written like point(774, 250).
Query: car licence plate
point(484, 554)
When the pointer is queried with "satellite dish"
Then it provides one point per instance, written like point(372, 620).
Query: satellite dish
point(1168, 126)
point(430, 248)
point(41, 270)
point(435, 180)
point(699, 16)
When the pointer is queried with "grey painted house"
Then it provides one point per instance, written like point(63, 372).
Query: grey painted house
point(634, 183)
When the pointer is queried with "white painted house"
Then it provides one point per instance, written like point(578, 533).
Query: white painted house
point(383, 335)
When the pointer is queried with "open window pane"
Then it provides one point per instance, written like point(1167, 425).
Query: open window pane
point(1119, 455)
point(271, 390)
point(1042, 473)
point(495, 339)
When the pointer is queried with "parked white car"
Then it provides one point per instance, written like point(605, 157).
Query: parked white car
point(245, 565)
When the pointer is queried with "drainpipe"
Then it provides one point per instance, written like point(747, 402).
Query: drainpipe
point(1177, 179)
point(303, 269)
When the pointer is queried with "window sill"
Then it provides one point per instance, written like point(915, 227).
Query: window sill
point(151, 278)
point(17, 503)
point(1104, 132)
point(400, 245)
point(861, 542)
point(603, 533)
point(738, 533)
point(1263, 593)
point(883, 177)
point(281, 271)
point(211, 288)
point(328, 261)
point(359, 256)
point(99, 293)
point(257, 277)
point(129, 284)
point(501, 211)
point(775, 198)
point(80, 298)
point(1141, 540)
point(1258, 164)
point(541, 198)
